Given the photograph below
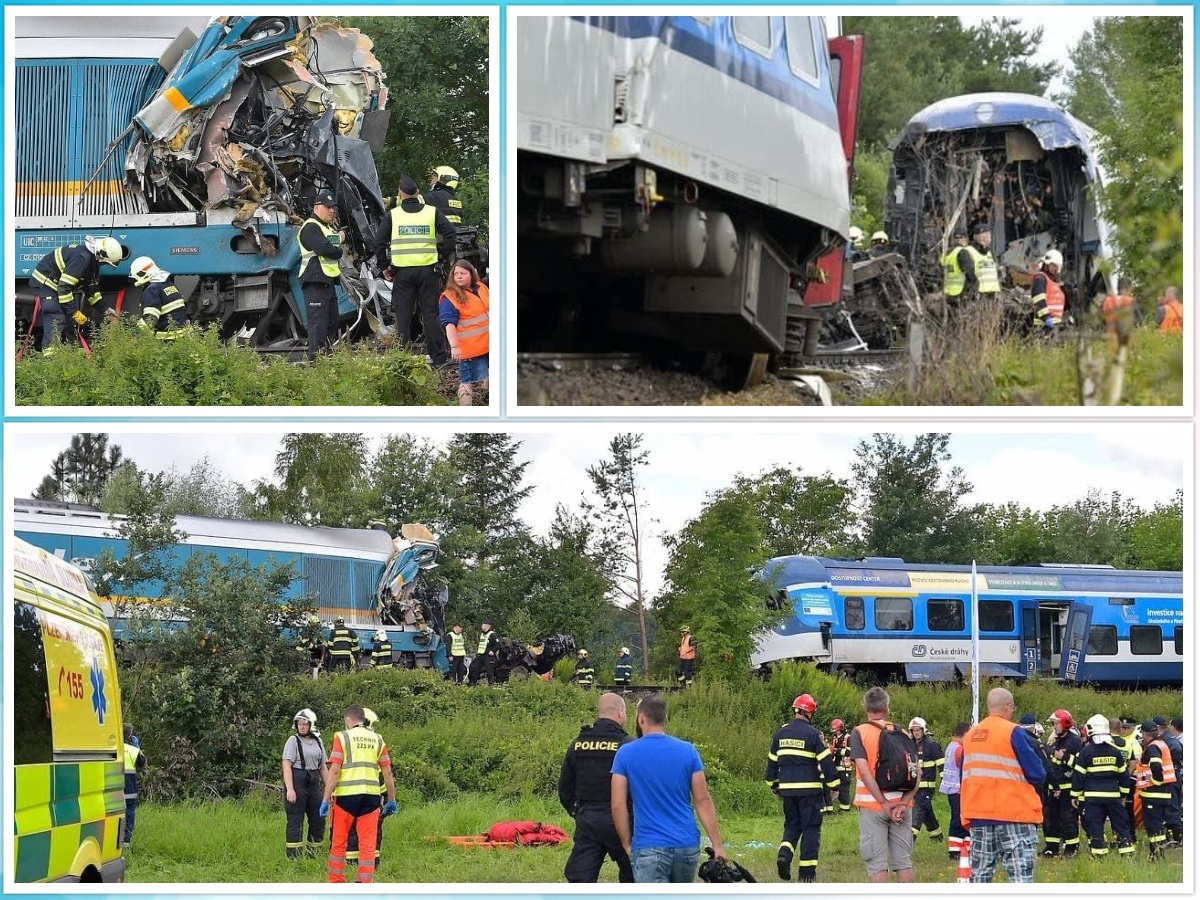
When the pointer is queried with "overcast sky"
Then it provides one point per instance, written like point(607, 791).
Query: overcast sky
point(1145, 462)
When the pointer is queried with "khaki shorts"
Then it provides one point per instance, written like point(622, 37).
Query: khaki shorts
point(880, 838)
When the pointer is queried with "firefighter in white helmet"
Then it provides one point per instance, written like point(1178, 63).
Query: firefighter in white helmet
point(67, 276)
point(304, 783)
point(585, 672)
point(1046, 293)
point(163, 308)
point(1101, 782)
point(381, 652)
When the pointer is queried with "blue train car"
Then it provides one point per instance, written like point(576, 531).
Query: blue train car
point(358, 574)
point(912, 622)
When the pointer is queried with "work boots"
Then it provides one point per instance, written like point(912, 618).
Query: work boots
point(783, 863)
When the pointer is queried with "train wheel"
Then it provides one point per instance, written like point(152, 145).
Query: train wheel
point(736, 371)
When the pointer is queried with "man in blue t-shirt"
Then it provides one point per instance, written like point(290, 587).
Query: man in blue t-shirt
point(665, 778)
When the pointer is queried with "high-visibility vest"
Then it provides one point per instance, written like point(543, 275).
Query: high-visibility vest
point(955, 278)
point(1054, 298)
point(687, 648)
point(381, 655)
point(993, 782)
point(1116, 307)
point(328, 266)
point(414, 237)
point(131, 757)
point(1170, 777)
point(458, 647)
point(361, 749)
point(986, 270)
point(472, 321)
point(1172, 322)
point(869, 734)
point(484, 638)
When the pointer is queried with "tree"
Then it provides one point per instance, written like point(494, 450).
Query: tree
point(799, 513)
point(998, 57)
point(79, 473)
point(1092, 530)
point(322, 481)
point(912, 507)
point(202, 490)
point(1014, 535)
point(414, 482)
point(1156, 537)
point(618, 516)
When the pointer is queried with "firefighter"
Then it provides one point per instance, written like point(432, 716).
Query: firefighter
point(1157, 782)
point(408, 249)
point(840, 747)
point(68, 275)
point(163, 307)
point(880, 244)
point(585, 672)
point(623, 673)
point(929, 752)
point(800, 769)
point(320, 272)
point(687, 656)
point(343, 646)
point(458, 654)
point(303, 784)
point(1049, 301)
point(1060, 821)
point(484, 662)
point(381, 652)
point(312, 641)
point(585, 792)
point(1124, 734)
point(443, 195)
point(1100, 782)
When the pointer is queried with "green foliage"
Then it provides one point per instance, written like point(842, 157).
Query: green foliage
point(323, 480)
point(798, 512)
point(1156, 538)
point(870, 187)
point(130, 367)
point(80, 473)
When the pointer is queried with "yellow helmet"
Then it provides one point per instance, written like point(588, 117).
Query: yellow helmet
point(879, 237)
point(445, 175)
point(109, 251)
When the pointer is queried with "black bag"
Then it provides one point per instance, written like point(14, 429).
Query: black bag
point(715, 871)
point(897, 768)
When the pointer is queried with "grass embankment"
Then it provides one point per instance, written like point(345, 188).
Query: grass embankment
point(130, 367)
point(466, 758)
point(973, 362)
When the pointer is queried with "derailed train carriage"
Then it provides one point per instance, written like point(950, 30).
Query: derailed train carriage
point(898, 621)
point(363, 575)
point(206, 157)
point(678, 179)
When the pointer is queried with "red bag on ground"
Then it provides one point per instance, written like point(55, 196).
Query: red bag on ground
point(529, 834)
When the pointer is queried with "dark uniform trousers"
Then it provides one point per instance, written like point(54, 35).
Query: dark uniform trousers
point(419, 285)
point(1095, 811)
point(309, 790)
point(802, 825)
point(321, 315)
point(458, 669)
point(595, 838)
point(923, 814)
point(1060, 823)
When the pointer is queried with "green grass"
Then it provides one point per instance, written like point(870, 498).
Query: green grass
point(468, 757)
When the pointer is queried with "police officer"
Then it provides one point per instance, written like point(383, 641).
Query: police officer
point(585, 789)
point(381, 652)
point(66, 272)
point(800, 769)
point(585, 672)
point(343, 646)
point(623, 673)
point(484, 662)
point(320, 250)
point(954, 267)
point(458, 654)
point(981, 274)
point(1100, 782)
point(929, 752)
point(408, 248)
point(1060, 821)
point(163, 308)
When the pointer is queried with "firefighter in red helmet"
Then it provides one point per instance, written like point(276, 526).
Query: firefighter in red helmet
point(1060, 820)
point(839, 745)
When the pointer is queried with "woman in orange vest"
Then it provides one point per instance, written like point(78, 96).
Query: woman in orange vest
point(463, 309)
point(1170, 313)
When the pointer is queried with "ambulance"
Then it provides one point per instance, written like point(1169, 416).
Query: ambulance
point(67, 738)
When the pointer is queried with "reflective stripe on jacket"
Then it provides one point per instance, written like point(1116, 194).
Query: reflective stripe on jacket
point(329, 267)
point(361, 749)
point(414, 239)
point(986, 270)
point(472, 321)
point(993, 783)
point(955, 278)
point(458, 647)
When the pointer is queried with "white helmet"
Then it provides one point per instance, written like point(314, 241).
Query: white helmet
point(1052, 258)
point(856, 236)
point(917, 722)
point(308, 715)
point(380, 635)
point(1097, 724)
point(624, 651)
point(370, 717)
point(109, 251)
point(140, 271)
point(314, 620)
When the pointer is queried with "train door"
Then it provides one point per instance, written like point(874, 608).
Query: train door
point(1079, 620)
point(1043, 625)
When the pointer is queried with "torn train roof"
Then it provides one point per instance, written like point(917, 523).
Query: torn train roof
point(1053, 126)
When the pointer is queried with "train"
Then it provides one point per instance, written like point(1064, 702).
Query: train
point(202, 144)
point(886, 619)
point(682, 182)
point(1019, 163)
point(365, 576)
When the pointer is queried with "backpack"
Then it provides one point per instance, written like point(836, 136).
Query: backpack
point(897, 767)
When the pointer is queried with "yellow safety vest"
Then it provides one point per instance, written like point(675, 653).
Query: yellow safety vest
point(328, 266)
point(414, 237)
point(131, 755)
point(458, 646)
point(986, 271)
point(361, 749)
point(955, 280)
point(483, 641)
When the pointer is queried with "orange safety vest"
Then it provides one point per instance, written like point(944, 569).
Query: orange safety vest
point(1172, 322)
point(1056, 302)
point(687, 650)
point(994, 785)
point(472, 322)
point(1116, 307)
point(1145, 781)
point(864, 799)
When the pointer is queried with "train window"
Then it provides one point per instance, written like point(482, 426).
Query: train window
point(856, 616)
point(1179, 640)
point(893, 613)
point(945, 615)
point(754, 33)
point(996, 615)
point(1145, 640)
point(1102, 640)
point(31, 692)
point(801, 52)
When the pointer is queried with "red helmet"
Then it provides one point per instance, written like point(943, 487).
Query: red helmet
point(837, 724)
point(1062, 718)
point(805, 703)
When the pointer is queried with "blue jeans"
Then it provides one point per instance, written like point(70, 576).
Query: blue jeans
point(473, 370)
point(665, 865)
